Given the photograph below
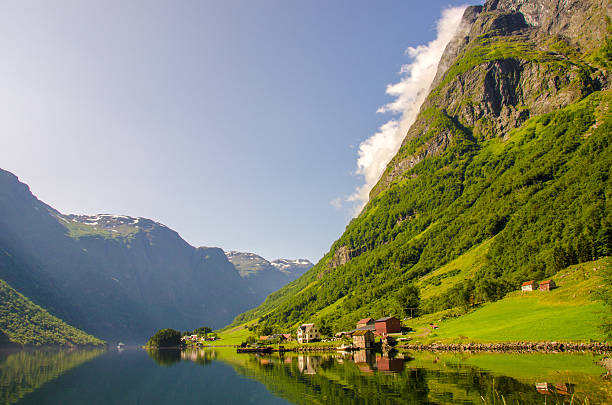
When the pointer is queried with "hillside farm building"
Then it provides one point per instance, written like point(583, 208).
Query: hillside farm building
point(365, 322)
point(389, 324)
point(547, 285)
point(529, 286)
point(364, 339)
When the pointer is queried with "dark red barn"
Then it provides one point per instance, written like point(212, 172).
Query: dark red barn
point(388, 325)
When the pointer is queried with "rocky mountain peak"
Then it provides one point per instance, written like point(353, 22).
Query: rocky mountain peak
point(577, 20)
point(508, 61)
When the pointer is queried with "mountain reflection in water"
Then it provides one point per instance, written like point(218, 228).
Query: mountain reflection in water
point(23, 371)
point(220, 375)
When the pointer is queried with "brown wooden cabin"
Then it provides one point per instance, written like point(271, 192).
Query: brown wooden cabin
point(364, 339)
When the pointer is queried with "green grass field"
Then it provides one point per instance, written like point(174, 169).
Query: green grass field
point(233, 336)
point(568, 313)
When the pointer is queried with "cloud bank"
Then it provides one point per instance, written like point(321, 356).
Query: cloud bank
point(410, 92)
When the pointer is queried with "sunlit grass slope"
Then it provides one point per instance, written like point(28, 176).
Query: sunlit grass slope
point(568, 313)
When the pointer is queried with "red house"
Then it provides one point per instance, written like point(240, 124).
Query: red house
point(387, 325)
point(547, 285)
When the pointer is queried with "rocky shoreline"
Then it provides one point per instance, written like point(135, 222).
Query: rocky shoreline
point(313, 349)
point(542, 347)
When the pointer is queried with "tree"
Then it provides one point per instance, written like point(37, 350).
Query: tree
point(165, 338)
point(204, 330)
point(408, 299)
point(325, 328)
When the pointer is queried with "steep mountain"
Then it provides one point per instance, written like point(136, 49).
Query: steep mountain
point(503, 177)
point(116, 277)
point(264, 277)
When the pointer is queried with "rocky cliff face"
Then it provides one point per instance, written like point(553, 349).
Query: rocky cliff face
point(578, 21)
point(509, 60)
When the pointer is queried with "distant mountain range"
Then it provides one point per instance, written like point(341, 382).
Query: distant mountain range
point(120, 277)
point(263, 276)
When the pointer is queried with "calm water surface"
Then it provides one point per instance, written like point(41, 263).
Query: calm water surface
point(221, 376)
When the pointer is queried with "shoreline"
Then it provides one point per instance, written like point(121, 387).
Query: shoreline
point(500, 347)
point(512, 347)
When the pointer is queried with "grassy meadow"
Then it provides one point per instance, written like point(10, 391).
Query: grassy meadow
point(568, 313)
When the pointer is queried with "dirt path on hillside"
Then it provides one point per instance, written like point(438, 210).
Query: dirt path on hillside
point(425, 332)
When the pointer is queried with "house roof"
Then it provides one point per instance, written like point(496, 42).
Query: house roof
point(367, 327)
point(365, 320)
point(528, 282)
point(385, 319)
point(276, 336)
point(362, 332)
point(546, 282)
point(306, 326)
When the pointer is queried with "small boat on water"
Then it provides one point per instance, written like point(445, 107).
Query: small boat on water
point(120, 345)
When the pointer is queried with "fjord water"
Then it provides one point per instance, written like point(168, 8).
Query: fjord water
point(222, 376)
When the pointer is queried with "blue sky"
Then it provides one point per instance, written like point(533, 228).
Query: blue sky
point(235, 123)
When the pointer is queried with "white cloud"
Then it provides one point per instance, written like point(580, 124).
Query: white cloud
point(336, 203)
point(410, 92)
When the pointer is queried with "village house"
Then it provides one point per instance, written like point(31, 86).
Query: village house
point(192, 338)
point(307, 333)
point(277, 336)
point(365, 322)
point(530, 285)
point(364, 339)
point(547, 285)
point(389, 324)
point(288, 337)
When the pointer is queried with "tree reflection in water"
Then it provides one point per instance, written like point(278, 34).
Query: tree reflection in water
point(165, 357)
point(366, 377)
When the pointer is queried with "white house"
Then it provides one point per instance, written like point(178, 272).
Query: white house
point(307, 333)
point(529, 286)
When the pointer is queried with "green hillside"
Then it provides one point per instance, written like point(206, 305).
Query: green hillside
point(25, 323)
point(504, 177)
point(570, 312)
